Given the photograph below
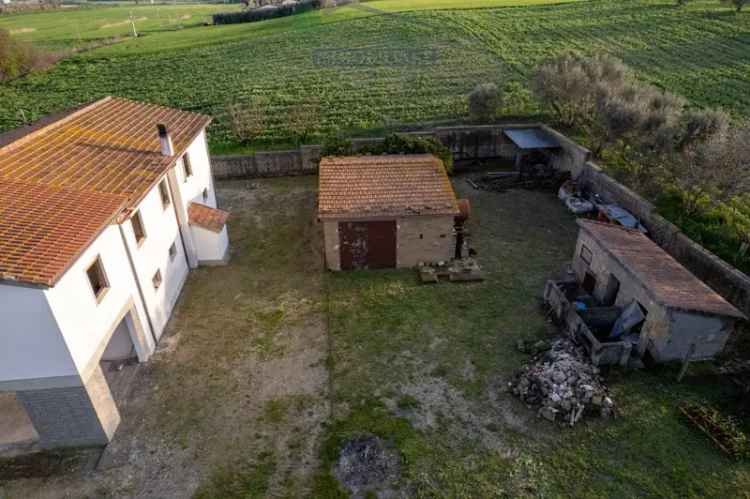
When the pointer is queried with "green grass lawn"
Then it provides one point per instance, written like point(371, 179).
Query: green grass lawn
point(701, 51)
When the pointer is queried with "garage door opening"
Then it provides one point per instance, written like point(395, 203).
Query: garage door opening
point(368, 245)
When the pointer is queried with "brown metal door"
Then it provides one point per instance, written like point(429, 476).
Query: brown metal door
point(367, 245)
point(381, 245)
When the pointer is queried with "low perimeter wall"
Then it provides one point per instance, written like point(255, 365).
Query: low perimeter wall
point(475, 144)
point(469, 144)
point(302, 161)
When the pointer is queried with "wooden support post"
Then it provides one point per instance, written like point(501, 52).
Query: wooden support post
point(686, 362)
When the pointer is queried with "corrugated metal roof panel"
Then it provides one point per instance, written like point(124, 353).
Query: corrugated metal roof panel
point(532, 138)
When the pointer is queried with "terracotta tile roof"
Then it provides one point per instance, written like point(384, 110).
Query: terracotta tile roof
point(110, 146)
point(371, 186)
point(64, 179)
point(206, 217)
point(670, 284)
point(44, 229)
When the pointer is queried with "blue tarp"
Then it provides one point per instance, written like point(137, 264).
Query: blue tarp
point(532, 138)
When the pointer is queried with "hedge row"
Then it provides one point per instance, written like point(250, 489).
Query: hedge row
point(267, 12)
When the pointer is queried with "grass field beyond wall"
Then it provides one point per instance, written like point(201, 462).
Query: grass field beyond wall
point(384, 64)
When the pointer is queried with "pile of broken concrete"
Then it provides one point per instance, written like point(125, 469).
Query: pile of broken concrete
point(563, 385)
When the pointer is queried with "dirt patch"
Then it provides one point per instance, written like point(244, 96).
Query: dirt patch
point(368, 465)
point(122, 23)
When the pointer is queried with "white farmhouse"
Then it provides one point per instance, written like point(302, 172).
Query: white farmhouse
point(103, 212)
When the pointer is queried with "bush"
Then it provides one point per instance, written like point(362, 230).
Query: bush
point(484, 101)
point(336, 146)
point(18, 58)
point(264, 13)
point(414, 144)
point(393, 144)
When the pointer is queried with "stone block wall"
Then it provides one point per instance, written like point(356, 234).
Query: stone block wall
point(428, 239)
point(76, 416)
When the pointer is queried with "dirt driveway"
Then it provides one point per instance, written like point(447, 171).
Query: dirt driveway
point(238, 389)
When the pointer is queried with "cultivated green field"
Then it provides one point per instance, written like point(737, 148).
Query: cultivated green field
point(74, 27)
point(701, 51)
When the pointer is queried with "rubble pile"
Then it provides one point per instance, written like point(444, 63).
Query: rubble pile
point(563, 384)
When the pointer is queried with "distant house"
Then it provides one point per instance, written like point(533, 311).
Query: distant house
point(676, 315)
point(103, 211)
point(386, 211)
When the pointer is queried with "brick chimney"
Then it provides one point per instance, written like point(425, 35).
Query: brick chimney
point(165, 140)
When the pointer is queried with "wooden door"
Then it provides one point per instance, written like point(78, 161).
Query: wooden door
point(367, 245)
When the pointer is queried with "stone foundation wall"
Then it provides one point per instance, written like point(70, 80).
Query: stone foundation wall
point(76, 416)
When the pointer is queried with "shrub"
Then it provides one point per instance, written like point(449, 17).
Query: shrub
point(266, 12)
point(393, 144)
point(414, 144)
point(336, 146)
point(484, 101)
point(18, 58)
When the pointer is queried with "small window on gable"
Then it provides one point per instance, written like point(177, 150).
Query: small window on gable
point(205, 194)
point(156, 280)
point(97, 279)
point(586, 254)
point(187, 166)
point(137, 222)
point(164, 192)
point(172, 252)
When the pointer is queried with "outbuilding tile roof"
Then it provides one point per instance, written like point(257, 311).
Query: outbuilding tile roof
point(212, 219)
point(63, 180)
point(394, 185)
point(671, 284)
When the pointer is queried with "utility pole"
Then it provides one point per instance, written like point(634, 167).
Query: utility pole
point(132, 25)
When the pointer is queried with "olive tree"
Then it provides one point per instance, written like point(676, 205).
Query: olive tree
point(484, 101)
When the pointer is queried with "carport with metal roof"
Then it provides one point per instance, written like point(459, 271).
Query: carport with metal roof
point(534, 145)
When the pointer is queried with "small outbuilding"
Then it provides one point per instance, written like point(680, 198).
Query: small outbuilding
point(386, 211)
point(665, 310)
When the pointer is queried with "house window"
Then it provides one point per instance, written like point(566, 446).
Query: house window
point(187, 166)
point(97, 279)
point(164, 192)
point(137, 222)
point(586, 254)
point(205, 194)
point(172, 252)
point(156, 280)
